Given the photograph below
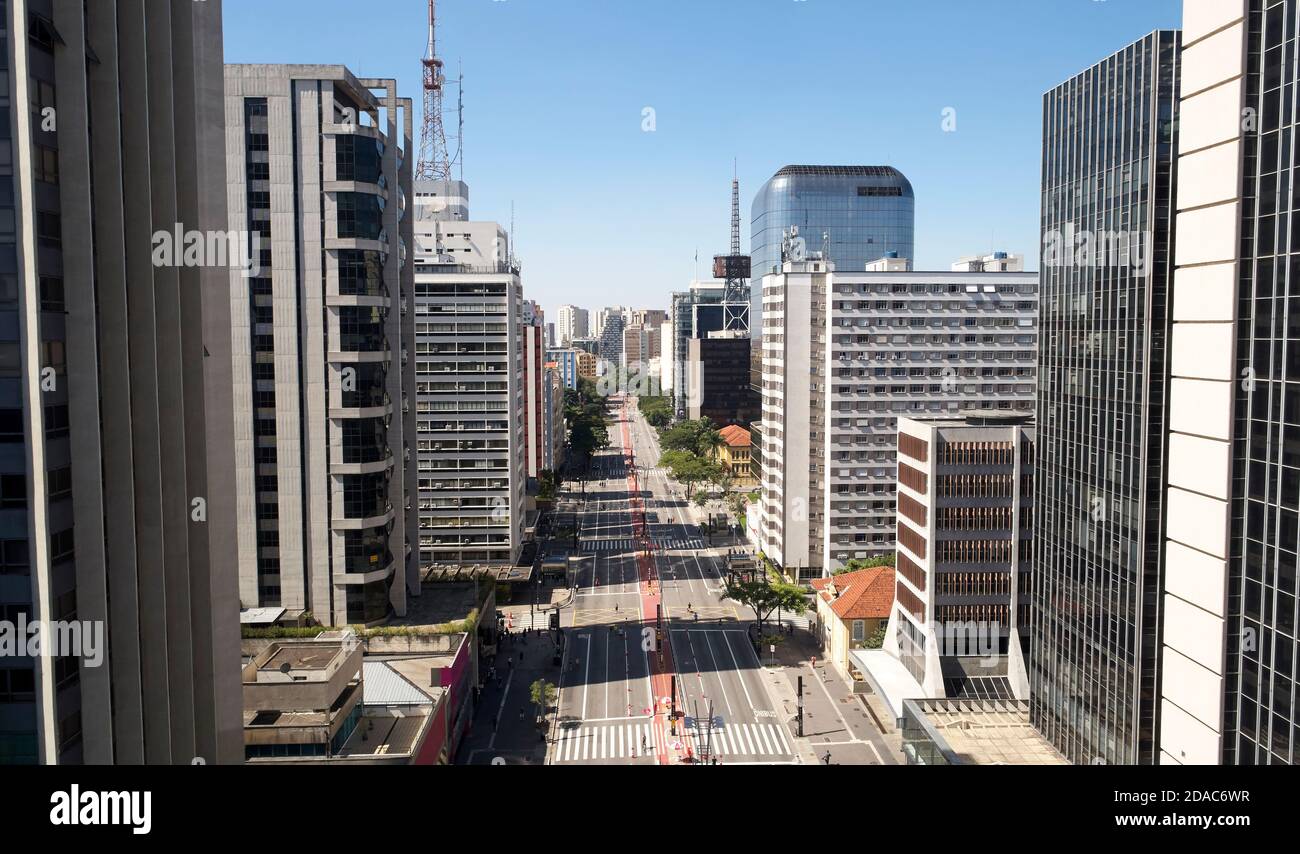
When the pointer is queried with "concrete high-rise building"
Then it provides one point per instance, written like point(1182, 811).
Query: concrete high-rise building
point(854, 214)
point(847, 354)
point(634, 347)
point(602, 318)
point(115, 379)
point(319, 341)
point(469, 393)
point(959, 625)
point(995, 262)
point(553, 426)
point(571, 322)
point(1103, 405)
point(533, 384)
point(1228, 604)
point(566, 362)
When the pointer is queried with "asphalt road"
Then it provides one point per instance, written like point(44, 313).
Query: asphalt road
point(612, 708)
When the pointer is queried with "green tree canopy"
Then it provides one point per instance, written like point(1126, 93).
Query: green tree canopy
point(688, 468)
point(696, 437)
point(763, 597)
point(865, 563)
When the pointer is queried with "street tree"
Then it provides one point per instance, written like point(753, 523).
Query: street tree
point(543, 694)
point(764, 597)
point(696, 437)
point(688, 468)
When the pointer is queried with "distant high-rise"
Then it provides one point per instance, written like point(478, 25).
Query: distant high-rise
point(115, 382)
point(1103, 375)
point(611, 340)
point(571, 323)
point(858, 213)
point(319, 340)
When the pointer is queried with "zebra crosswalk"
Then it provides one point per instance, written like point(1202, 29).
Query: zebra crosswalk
point(624, 740)
point(740, 741)
point(612, 740)
point(526, 618)
point(680, 543)
point(627, 544)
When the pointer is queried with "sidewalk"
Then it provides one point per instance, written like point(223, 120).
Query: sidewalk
point(836, 721)
point(514, 740)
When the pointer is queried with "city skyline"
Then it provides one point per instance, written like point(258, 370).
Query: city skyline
point(564, 162)
point(304, 462)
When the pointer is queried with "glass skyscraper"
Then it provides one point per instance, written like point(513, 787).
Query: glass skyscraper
point(859, 213)
point(1109, 141)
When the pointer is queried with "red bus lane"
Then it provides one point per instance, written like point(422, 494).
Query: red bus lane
point(661, 661)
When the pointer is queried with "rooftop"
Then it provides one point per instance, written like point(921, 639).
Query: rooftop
point(735, 436)
point(865, 594)
point(967, 732)
point(861, 171)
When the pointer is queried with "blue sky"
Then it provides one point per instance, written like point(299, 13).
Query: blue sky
point(609, 214)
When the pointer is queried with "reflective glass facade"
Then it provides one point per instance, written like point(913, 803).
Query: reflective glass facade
point(1260, 719)
point(1109, 138)
point(865, 211)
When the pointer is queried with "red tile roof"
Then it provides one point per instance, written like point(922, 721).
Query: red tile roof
point(866, 594)
point(735, 436)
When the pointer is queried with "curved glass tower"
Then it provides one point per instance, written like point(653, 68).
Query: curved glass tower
point(858, 212)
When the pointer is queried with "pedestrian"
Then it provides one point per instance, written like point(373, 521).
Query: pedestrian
point(521, 717)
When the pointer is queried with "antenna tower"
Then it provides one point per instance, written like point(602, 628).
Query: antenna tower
point(735, 270)
point(435, 164)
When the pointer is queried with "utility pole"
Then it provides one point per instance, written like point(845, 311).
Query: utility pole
point(799, 716)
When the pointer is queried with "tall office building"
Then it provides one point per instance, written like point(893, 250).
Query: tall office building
point(533, 384)
point(553, 426)
point(571, 322)
point(845, 355)
point(1229, 600)
point(611, 341)
point(959, 624)
point(695, 313)
point(856, 214)
point(469, 389)
point(602, 317)
point(1108, 199)
point(115, 378)
point(314, 157)
point(718, 378)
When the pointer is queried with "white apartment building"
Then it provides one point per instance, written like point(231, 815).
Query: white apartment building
point(571, 322)
point(469, 391)
point(845, 354)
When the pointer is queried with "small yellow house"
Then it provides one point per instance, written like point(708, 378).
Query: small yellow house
point(733, 455)
point(850, 609)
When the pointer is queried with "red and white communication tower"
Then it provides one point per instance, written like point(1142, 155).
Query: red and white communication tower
point(435, 162)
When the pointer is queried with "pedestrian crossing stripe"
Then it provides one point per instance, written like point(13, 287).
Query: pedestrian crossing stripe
point(614, 741)
point(623, 741)
point(744, 740)
point(630, 545)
